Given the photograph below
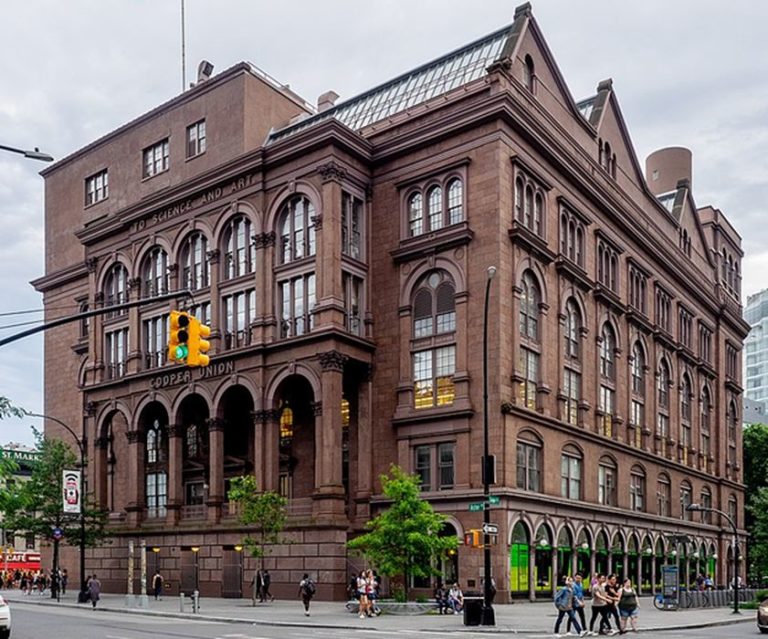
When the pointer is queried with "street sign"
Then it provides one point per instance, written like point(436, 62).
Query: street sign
point(476, 507)
point(57, 533)
point(490, 529)
point(494, 500)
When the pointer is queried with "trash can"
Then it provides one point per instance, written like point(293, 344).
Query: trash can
point(473, 609)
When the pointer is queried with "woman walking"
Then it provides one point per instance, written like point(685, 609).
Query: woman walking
point(564, 605)
point(599, 607)
point(628, 606)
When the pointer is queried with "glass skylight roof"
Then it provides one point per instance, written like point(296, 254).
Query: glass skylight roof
point(586, 107)
point(667, 200)
point(432, 79)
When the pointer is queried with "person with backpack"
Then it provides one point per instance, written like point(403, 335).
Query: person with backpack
point(307, 590)
point(564, 605)
point(578, 601)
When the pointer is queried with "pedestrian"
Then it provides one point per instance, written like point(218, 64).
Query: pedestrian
point(628, 606)
point(307, 590)
point(456, 598)
point(266, 581)
point(362, 595)
point(94, 590)
point(64, 580)
point(157, 585)
point(578, 601)
point(612, 593)
point(599, 607)
point(441, 598)
point(256, 587)
point(564, 605)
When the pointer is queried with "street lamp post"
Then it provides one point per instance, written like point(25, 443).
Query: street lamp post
point(35, 154)
point(81, 447)
point(488, 616)
point(727, 517)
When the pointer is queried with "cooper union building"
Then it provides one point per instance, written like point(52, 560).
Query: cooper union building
point(340, 253)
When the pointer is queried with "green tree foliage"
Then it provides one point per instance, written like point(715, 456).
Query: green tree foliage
point(758, 548)
point(39, 506)
point(404, 540)
point(264, 510)
point(9, 410)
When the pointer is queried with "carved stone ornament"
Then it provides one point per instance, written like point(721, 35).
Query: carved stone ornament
point(330, 171)
point(213, 255)
point(133, 436)
point(317, 221)
point(264, 240)
point(173, 268)
point(134, 282)
point(91, 263)
point(101, 443)
point(89, 410)
point(98, 297)
point(214, 424)
point(332, 361)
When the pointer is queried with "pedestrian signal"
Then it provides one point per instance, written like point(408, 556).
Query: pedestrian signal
point(178, 337)
point(473, 538)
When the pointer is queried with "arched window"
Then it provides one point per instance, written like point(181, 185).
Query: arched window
point(663, 495)
point(195, 267)
point(704, 426)
point(155, 469)
point(607, 380)
point(519, 200)
point(434, 362)
point(706, 503)
point(608, 353)
point(637, 401)
point(239, 248)
point(529, 74)
point(435, 204)
point(455, 201)
point(297, 229)
point(662, 423)
point(154, 272)
point(572, 370)
point(732, 419)
point(606, 481)
point(116, 287)
point(685, 418)
point(529, 461)
point(571, 468)
point(415, 215)
point(686, 499)
point(637, 489)
point(528, 361)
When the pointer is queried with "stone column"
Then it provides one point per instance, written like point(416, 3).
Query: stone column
point(329, 491)
point(555, 563)
point(134, 360)
point(364, 446)
point(216, 469)
point(129, 600)
point(135, 504)
point(175, 462)
point(100, 465)
point(216, 340)
point(592, 564)
point(143, 599)
point(532, 572)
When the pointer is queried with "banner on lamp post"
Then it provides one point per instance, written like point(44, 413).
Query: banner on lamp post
point(72, 495)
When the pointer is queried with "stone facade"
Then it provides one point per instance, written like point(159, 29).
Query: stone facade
point(342, 266)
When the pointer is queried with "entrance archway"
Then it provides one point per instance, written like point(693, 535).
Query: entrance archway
point(297, 438)
point(519, 559)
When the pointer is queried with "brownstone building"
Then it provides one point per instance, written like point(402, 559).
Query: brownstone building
point(340, 254)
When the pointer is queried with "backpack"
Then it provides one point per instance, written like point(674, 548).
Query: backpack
point(309, 587)
point(561, 599)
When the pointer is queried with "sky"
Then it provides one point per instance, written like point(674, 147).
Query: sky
point(686, 73)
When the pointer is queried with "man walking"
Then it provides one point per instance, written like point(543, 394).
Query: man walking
point(157, 585)
point(578, 601)
point(94, 590)
point(564, 605)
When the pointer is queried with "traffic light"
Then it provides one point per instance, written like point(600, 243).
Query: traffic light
point(178, 338)
point(198, 345)
point(473, 538)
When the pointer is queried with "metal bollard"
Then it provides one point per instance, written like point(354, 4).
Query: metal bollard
point(181, 602)
point(195, 602)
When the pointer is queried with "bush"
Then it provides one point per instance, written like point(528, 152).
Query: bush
point(762, 594)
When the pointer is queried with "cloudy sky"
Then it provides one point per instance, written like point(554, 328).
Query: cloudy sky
point(686, 72)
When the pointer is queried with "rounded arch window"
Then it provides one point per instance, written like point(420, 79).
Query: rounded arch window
point(608, 353)
point(434, 306)
point(637, 488)
point(638, 370)
point(297, 229)
point(455, 201)
point(195, 266)
point(154, 272)
point(239, 248)
point(116, 285)
point(435, 204)
point(530, 298)
point(572, 329)
point(571, 470)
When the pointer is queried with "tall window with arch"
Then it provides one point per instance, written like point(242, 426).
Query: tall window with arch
point(686, 499)
point(156, 469)
point(637, 489)
point(705, 445)
point(529, 461)
point(239, 248)
point(637, 401)
point(154, 272)
point(663, 495)
point(116, 288)
point(529, 203)
point(662, 403)
point(530, 340)
point(607, 478)
point(686, 440)
point(285, 484)
point(607, 380)
point(154, 335)
point(706, 503)
point(433, 353)
point(572, 371)
point(732, 425)
point(571, 470)
point(435, 205)
point(352, 226)
point(297, 229)
point(571, 237)
point(195, 266)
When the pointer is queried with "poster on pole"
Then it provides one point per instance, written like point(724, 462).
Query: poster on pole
point(72, 495)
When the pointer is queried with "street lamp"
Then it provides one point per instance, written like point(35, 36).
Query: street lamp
point(707, 509)
point(36, 154)
point(488, 617)
point(81, 447)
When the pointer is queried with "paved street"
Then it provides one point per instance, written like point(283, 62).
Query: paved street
point(37, 617)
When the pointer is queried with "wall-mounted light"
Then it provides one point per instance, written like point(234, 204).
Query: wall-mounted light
point(673, 553)
point(195, 549)
point(714, 555)
point(648, 551)
point(696, 555)
point(238, 548)
point(155, 548)
point(585, 546)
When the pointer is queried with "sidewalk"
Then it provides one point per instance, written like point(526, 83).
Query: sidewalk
point(523, 617)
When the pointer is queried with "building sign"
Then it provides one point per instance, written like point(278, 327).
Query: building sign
point(186, 375)
point(20, 455)
point(72, 494)
point(183, 206)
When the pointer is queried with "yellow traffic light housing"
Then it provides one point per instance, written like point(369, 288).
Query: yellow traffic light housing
point(198, 345)
point(473, 538)
point(178, 337)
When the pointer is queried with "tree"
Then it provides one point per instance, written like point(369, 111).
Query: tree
point(40, 508)
point(9, 410)
point(405, 539)
point(266, 510)
point(756, 497)
point(758, 549)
